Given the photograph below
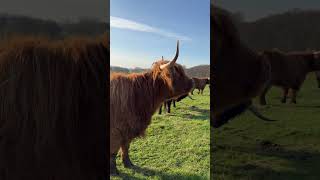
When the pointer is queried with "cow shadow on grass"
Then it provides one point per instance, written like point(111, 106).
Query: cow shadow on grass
point(191, 113)
point(299, 164)
point(148, 173)
point(196, 113)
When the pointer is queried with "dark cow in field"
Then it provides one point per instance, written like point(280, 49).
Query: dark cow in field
point(200, 84)
point(288, 71)
point(167, 103)
point(238, 73)
point(53, 109)
point(134, 98)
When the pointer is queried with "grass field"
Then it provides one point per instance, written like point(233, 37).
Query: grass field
point(176, 146)
point(289, 149)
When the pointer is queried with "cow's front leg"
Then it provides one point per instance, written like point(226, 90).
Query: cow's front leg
point(125, 155)
point(113, 166)
point(169, 106)
point(294, 96)
point(160, 109)
point(174, 103)
point(285, 95)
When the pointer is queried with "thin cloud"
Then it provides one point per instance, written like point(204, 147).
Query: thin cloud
point(121, 23)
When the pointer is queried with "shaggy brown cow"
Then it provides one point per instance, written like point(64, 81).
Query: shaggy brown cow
point(200, 84)
point(288, 71)
point(238, 74)
point(53, 109)
point(134, 98)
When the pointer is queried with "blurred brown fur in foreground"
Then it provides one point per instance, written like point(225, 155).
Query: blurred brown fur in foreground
point(53, 108)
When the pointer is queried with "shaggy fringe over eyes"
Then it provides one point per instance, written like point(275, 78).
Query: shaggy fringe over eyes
point(53, 108)
point(165, 74)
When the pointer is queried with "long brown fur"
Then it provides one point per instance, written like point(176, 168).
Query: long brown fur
point(134, 98)
point(53, 109)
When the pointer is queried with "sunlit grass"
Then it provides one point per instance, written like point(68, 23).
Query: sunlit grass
point(176, 145)
point(289, 149)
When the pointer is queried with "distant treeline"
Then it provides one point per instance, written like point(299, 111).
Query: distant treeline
point(11, 25)
point(127, 70)
point(196, 71)
point(294, 30)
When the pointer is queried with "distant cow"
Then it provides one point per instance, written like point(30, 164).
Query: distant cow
point(200, 84)
point(167, 103)
point(288, 71)
point(238, 73)
point(53, 109)
point(134, 98)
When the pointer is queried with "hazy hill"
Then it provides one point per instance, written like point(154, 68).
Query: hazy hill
point(199, 71)
point(24, 25)
point(196, 71)
point(290, 31)
point(119, 69)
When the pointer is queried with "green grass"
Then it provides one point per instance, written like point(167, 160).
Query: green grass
point(176, 146)
point(289, 149)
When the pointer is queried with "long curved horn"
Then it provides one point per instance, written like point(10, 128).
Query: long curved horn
point(255, 111)
point(173, 60)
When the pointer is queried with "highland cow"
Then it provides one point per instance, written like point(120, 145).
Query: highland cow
point(134, 98)
point(53, 109)
point(288, 71)
point(238, 73)
point(200, 84)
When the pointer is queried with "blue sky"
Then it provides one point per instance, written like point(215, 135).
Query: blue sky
point(144, 30)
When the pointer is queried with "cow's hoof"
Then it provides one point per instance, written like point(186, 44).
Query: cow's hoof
point(294, 102)
point(283, 101)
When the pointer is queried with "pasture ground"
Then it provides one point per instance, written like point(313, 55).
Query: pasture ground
point(176, 146)
point(289, 149)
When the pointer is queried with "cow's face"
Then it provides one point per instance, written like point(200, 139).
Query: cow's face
point(181, 83)
point(175, 77)
point(239, 73)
